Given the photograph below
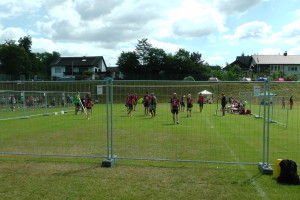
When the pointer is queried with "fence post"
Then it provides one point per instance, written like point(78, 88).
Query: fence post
point(263, 166)
point(110, 160)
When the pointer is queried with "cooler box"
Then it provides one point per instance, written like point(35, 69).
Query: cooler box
point(276, 171)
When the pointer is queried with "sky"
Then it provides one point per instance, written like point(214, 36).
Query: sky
point(218, 29)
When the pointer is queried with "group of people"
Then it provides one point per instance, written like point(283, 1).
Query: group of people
point(291, 103)
point(150, 101)
point(84, 103)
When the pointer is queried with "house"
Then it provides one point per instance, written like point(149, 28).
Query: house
point(74, 68)
point(287, 64)
point(244, 62)
point(265, 64)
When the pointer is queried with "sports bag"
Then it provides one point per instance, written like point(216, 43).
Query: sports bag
point(288, 172)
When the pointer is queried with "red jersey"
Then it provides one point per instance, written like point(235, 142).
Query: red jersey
point(175, 102)
point(88, 102)
point(189, 100)
point(130, 100)
point(147, 98)
point(200, 99)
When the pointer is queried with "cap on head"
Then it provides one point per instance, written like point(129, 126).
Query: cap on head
point(174, 94)
point(189, 95)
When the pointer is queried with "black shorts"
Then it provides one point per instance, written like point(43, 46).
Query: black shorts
point(182, 104)
point(146, 105)
point(130, 106)
point(201, 104)
point(189, 105)
point(174, 110)
point(77, 104)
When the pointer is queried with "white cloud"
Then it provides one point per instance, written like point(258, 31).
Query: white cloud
point(294, 51)
point(196, 19)
point(167, 47)
point(270, 51)
point(251, 30)
point(213, 60)
point(42, 45)
point(14, 8)
point(232, 7)
point(11, 34)
point(289, 34)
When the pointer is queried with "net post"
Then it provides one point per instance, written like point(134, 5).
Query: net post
point(264, 166)
point(111, 159)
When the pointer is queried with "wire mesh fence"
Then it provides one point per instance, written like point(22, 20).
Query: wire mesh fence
point(42, 121)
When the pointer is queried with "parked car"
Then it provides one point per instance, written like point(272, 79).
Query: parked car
point(280, 79)
point(262, 79)
point(213, 79)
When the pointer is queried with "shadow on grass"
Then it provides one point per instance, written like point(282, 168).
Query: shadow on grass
point(252, 179)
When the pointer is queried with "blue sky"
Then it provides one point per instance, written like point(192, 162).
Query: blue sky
point(219, 29)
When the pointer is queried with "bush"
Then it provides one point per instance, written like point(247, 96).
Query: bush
point(189, 78)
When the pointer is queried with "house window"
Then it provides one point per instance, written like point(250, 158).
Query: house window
point(57, 70)
point(292, 68)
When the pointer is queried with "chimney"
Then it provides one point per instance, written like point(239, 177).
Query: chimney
point(285, 53)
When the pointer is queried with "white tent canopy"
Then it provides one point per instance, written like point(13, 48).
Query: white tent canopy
point(205, 92)
point(207, 95)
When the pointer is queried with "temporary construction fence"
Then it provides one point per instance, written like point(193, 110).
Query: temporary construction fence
point(266, 132)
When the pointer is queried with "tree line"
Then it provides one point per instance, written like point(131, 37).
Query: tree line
point(16, 58)
point(145, 62)
point(150, 63)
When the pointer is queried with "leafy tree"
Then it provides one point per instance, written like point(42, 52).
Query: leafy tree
point(15, 60)
point(196, 58)
point(143, 50)
point(129, 64)
point(26, 43)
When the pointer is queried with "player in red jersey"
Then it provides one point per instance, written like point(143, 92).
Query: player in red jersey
point(146, 101)
point(189, 105)
point(130, 103)
point(88, 105)
point(200, 101)
point(174, 108)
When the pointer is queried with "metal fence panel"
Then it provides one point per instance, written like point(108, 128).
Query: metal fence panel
point(38, 118)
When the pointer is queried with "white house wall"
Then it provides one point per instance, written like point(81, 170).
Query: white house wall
point(58, 74)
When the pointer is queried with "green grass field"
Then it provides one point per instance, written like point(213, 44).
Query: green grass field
point(204, 137)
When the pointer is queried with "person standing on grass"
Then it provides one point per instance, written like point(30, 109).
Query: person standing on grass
point(76, 102)
point(189, 105)
point(182, 104)
point(283, 103)
point(291, 102)
point(3, 101)
point(130, 103)
point(223, 103)
point(88, 105)
point(83, 105)
point(152, 107)
point(146, 101)
point(200, 102)
point(174, 108)
point(12, 102)
point(135, 101)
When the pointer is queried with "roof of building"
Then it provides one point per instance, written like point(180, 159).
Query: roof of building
point(113, 69)
point(78, 61)
point(277, 59)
